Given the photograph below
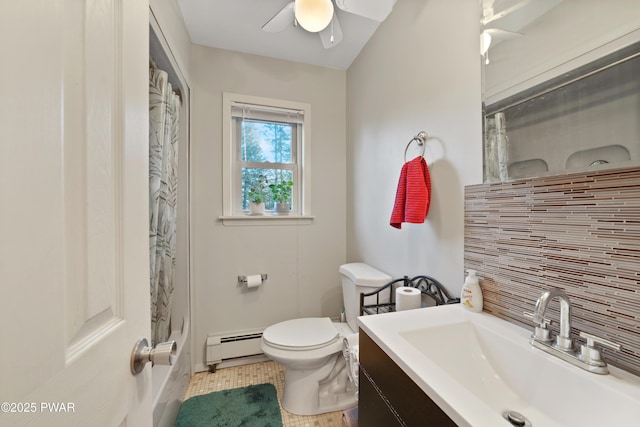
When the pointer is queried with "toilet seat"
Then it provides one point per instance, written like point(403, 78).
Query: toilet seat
point(301, 334)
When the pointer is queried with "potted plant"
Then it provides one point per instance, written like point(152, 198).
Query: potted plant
point(281, 193)
point(257, 195)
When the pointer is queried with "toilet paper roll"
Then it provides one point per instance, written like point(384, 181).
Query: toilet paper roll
point(254, 281)
point(408, 298)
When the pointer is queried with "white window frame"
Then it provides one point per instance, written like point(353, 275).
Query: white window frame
point(232, 165)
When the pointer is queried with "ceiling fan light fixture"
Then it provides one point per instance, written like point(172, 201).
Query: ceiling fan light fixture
point(314, 15)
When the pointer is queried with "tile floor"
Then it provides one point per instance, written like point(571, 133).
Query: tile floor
point(257, 373)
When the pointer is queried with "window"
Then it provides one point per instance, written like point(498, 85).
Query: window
point(265, 140)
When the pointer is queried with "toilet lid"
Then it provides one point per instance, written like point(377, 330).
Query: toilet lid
point(302, 334)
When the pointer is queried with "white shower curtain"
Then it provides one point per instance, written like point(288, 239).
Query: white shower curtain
point(164, 107)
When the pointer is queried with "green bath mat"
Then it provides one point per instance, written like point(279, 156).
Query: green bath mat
point(252, 406)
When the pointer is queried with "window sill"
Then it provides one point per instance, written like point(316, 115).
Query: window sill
point(267, 219)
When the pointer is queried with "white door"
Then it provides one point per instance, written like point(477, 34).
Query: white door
point(74, 295)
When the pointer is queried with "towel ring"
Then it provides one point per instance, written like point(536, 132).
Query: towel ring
point(421, 139)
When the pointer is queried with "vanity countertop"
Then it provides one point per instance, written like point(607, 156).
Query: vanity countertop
point(475, 367)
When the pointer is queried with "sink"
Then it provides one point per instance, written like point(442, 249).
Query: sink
point(476, 367)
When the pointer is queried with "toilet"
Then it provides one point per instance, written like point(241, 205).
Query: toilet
point(316, 377)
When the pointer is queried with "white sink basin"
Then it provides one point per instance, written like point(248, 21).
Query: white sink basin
point(476, 366)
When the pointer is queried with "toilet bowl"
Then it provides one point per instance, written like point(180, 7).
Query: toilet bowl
point(311, 349)
point(315, 379)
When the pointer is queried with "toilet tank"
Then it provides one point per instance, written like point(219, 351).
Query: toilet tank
point(358, 277)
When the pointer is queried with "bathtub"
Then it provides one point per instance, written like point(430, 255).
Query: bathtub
point(169, 383)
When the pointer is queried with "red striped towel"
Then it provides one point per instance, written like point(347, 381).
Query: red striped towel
point(413, 195)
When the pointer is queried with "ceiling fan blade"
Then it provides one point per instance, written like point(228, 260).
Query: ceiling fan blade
point(332, 35)
point(377, 10)
point(498, 35)
point(280, 20)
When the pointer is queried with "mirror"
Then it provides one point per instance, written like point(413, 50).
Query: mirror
point(561, 91)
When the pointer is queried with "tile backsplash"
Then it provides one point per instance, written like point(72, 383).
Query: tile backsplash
point(578, 232)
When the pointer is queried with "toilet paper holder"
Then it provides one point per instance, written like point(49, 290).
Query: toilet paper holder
point(243, 279)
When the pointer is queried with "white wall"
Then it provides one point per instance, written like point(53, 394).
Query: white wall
point(420, 71)
point(301, 261)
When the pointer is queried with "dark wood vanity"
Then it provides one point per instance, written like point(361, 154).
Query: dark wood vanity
point(388, 397)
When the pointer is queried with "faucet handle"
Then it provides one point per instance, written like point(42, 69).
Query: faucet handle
point(592, 339)
point(544, 323)
point(541, 333)
point(590, 354)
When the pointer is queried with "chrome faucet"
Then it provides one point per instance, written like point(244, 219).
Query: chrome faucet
point(563, 341)
point(588, 357)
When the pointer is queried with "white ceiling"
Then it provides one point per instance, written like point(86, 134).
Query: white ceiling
point(237, 25)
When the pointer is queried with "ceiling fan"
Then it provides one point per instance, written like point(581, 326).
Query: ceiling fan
point(298, 13)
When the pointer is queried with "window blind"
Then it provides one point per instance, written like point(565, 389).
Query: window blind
point(267, 114)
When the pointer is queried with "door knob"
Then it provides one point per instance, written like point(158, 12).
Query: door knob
point(163, 353)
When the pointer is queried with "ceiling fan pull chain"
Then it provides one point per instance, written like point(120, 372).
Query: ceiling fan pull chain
point(332, 29)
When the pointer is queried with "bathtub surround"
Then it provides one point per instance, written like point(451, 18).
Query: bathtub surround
point(578, 232)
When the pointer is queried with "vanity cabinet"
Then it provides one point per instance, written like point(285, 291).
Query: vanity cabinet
point(388, 397)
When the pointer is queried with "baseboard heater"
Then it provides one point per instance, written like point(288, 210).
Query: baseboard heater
point(231, 346)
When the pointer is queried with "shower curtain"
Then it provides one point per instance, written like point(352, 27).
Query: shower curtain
point(164, 107)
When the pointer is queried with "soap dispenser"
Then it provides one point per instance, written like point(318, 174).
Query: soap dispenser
point(471, 293)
